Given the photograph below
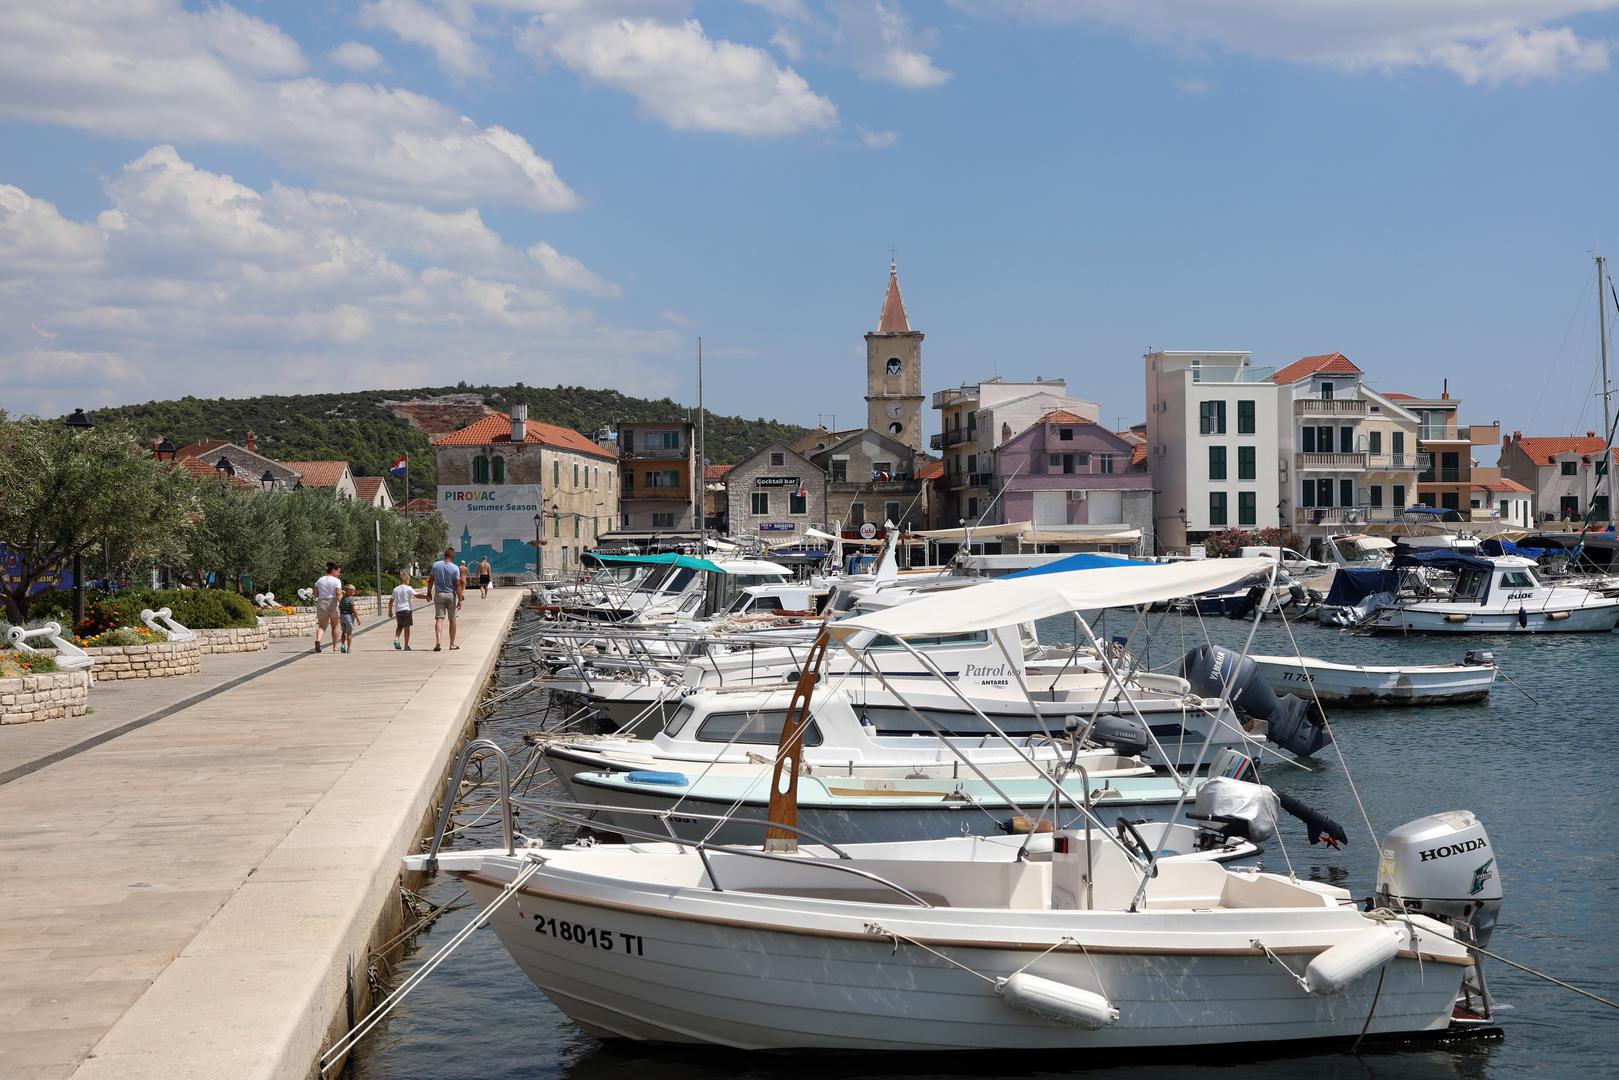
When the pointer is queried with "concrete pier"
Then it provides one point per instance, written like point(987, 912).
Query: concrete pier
point(191, 897)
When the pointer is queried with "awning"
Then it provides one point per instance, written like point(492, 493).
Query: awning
point(668, 558)
point(1063, 536)
point(979, 532)
point(1083, 561)
point(1010, 601)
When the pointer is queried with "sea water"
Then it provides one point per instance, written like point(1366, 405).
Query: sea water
point(1536, 762)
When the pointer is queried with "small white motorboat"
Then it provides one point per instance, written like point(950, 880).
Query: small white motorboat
point(1379, 684)
point(1498, 595)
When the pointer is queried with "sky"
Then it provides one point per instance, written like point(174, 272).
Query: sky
point(226, 200)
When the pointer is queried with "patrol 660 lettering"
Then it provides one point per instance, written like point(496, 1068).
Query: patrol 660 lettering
point(593, 937)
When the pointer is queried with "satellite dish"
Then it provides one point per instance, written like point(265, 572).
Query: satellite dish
point(868, 531)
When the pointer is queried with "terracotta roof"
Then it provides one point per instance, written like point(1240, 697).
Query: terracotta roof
point(319, 474)
point(1401, 397)
point(204, 471)
point(1327, 364)
point(496, 430)
point(419, 505)
point(893, 320)
point(1138, 454)
point(1063, 416)
point(716, 472)
point(1503, 484)
point(200, 447)
point(931, 471)
point(365, 487)
point(1544, 451)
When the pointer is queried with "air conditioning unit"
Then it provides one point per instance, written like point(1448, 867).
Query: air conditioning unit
point(1076, 496)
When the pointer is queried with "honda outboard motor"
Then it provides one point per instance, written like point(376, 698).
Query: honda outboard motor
point(1443, 866)
point(1294, 723)
point(1124, 735)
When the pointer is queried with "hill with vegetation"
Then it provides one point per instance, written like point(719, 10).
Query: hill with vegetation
point(362, 428)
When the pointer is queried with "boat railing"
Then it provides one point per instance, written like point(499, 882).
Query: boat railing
point(475, 749)
point(704, 849)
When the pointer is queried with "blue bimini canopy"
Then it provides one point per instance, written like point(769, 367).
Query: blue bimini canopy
point(668, 558)
point(1350, 586)
point(1442, 560)
point(1085, 560)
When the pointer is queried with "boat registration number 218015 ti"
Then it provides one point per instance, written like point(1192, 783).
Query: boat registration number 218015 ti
point(595, 937)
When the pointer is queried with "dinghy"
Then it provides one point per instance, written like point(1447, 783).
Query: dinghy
point(1372, 684)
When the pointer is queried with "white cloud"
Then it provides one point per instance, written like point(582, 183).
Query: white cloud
point(1481, 41)
point(679, 75)
point(788, 44)
point(356, 56)
point(884, 46)
point(191, 282)
point(670, 315)
point(878, 140)
point(152, 69)
point(421, 25)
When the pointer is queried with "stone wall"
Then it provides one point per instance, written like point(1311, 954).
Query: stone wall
point(158, 661)
point(302, 622)
point(44, 697)
point(234, 640)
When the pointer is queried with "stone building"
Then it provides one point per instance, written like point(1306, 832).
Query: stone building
point(775, 495)
point(872, 477)
point(894, 371)
point(573, 479)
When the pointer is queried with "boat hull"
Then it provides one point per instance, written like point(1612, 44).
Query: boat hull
point(1457, 619)
point(1350, 685)
point(727, 973)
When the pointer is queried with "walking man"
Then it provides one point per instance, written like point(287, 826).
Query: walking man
point(484, 573)
point(327, 590)
point(448, 586)
point(399, 605)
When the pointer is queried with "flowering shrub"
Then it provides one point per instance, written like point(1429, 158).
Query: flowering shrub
point(21, 663)
point(123, 635)
point(278, 610)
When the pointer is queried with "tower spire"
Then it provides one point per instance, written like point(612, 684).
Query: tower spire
point(893, 319)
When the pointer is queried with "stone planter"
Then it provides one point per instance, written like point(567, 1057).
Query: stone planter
point(299, 624)
point(234, 640)
point(158, 661)
point(44, 697)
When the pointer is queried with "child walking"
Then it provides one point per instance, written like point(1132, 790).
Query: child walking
point(348, 618)
point(399, 606)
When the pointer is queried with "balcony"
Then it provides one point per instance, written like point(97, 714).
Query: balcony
point(1345, 515)
point(959, 480)
point(1395, 462)
point(1340, 462)
point(943, 399)
point(897, 483)
point(1441, 433)
point(1337, 408)
point(1452, 475)
point(952, 437)
point(677, 453)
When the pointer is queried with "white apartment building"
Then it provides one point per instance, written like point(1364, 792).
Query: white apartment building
point(975, 420)
point(1212, 444)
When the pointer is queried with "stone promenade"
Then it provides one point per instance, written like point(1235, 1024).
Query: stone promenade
point(187, 874)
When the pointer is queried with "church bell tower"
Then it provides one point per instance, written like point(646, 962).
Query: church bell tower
point(894, 371)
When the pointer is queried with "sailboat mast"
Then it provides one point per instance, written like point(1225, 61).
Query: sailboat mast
point(700, 481)
point(1606, 484)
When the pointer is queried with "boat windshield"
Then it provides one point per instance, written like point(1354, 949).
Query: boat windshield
point(1470, 584)
point(756, 728)
point(937, 641)
point(673, 582)
point(1518, 579)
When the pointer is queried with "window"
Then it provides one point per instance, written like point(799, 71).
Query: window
point(1399, 496)
point(1346, 493)
point(1323, 492)
point(556, 473)
point(891, 512)
point(480, 469)
point(669, 440)
point(1216, 463)
point(885, 469)
point(840, 469)
point(894, 366)
point(626, 441)
point(1247, 469)
point(857, 514)
point(1599, 509)
point(498, 470)
point(972, 463)
point(972, 421)
point(1217, 508)
point(1377, 496)
point(1056, 463)
point(576, 526)
point(556, 524)
point(1517, 579)
point(1601, 467)
point(1307, 440)
point(1211, 417)
point(1399, 444)
point(1326, 391)
point(663, 521)
point(1374, 442)
point(576, 476)
point(1246, 424)
point(1247, 508)
point(760, 503)
point(1065, 434)
point(596, 477)
point(758, 729)
point(1346, 440)
point(1105, 463)
point(663, 479)
point(1307, 493)
point(778, 458)
point(1568, 468)
point(797, 504)
point(1568, 507)
point(972, 508)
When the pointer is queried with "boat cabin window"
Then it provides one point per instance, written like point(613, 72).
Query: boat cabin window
point(756, 728)
point(937, 641)
point(680, 719)
point(1470, 584)
point(674, 582)
point(1518, 579)
point(843, 601)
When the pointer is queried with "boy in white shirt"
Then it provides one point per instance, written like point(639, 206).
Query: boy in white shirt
point(399, 607)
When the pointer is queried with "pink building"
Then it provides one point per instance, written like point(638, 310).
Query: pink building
point(1075, 479)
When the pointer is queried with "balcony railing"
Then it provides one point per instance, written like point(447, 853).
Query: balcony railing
point(1345, 515)
point(1440, 433)
point(1399, 461)
point(659, 453)
point(1430, 475)
point(1339, 462)
point(1348, 408)
point(943, 399)
point(952, 437)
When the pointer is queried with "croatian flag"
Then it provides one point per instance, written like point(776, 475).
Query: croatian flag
point(397, 468)
point(802, 492)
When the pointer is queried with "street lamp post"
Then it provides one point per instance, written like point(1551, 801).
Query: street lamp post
point(79, 421)
point(539, 552)
point(224, 467)
point(267, 480)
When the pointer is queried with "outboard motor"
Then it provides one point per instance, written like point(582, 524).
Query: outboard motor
point(1124, 735)
point(1443, 866)
point(1294, 723)
point(1248, 604)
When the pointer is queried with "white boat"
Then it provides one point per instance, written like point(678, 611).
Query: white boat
point(1374, 684)
point(1498, 595)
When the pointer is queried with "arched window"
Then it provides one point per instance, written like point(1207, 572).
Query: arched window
point(499, 470)
point(480, 469)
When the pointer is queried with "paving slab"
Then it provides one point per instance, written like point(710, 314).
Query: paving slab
point(186, 898)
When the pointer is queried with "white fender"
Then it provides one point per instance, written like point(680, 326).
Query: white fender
point(1057, 1001)
point(1349, 960)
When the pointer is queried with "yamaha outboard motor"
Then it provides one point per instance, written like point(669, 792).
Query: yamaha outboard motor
point(1124, 735)
point(1294, 723)
point(1443, 866)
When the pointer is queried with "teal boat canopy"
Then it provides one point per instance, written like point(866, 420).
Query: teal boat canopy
point(668, 558)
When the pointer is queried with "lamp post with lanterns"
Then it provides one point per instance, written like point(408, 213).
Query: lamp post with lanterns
point(79, 421)
point(539, 549)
